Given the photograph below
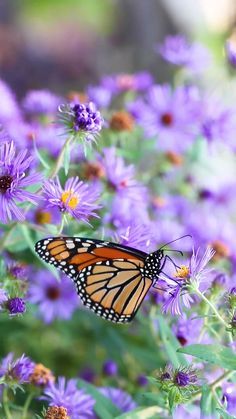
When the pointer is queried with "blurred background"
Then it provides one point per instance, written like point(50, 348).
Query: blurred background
point(67, 44)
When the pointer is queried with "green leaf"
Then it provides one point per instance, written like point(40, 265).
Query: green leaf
point(207, 403)
point(224, 414)
point(26, 233)
point(172, 396)
point(158, 398)
point(104, 408)
point(40, 157)
point(171, 344)
point(66, 160)
point(215, 354)
point(14, 242)
point(198, 151)
point(28, 239)
point(52, 229)
point(152, 412)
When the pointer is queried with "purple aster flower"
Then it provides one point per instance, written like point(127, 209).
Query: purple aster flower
point(229, 396)
point(198, 269)
point(3, 298)
point(171, 116)
point(137, 235)
point(78, 404)
point(4, 136)
point(46, 136)
point(99, 95)
point(168, 229)
point(82, 118)
point(44, 215)
point(124, 211)
point(19, 370)
point(110, 368)
point(230, 49)
point(184, 378)
point(119, 398)
point(142, 380)
point(22, 369)
point(177, 50)
point(88, 374)
point(18, 270)
point(170, 206)
point(221, 280)
point(192, 275)
point(6, 362)
point(40, 102)
point(188, 411)
point(143, 80)
point(217, 228)
point(13, 179)
point(9, 109)
point(176, 298)
point(55, 299)
point(119, 83)
point(186, 329)
point(120, 177)
point(16, 305)
point(217, 122)
point(76, 198)
point(22, 134)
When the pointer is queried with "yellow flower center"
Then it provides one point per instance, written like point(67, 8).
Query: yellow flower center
point(43, 217)
point(69, 199)
point(182, 272)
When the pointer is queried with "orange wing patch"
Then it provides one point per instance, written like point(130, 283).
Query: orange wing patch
point(99, 255)
point(109, 253)
point(54, 243)
point(59, 249)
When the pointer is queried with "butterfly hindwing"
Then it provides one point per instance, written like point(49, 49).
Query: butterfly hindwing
point(113, 289)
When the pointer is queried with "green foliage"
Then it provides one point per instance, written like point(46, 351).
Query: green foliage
point(103, 407)
point(215, 354)
point(171, 344)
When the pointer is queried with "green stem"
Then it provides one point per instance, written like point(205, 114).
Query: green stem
point(222, 377)
point(6, 236)
point(214, 384)
point(5, 404)
point(61, 225)
point(211, 305)
point(204, 326)
point(27, 404)
point(60, 158)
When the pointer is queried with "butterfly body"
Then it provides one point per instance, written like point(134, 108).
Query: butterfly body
point(111, 279)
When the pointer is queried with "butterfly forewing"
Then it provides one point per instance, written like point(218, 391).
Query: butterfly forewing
point(110, 278)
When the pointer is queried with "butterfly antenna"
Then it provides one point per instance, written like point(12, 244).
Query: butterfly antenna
point(175, 240)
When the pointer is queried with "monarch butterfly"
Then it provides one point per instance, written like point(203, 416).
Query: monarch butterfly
point(111, 279)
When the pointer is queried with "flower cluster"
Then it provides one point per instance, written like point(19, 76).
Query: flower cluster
point(63, 397)
point(82, 118)
point(144, 163)
point(14, 180)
